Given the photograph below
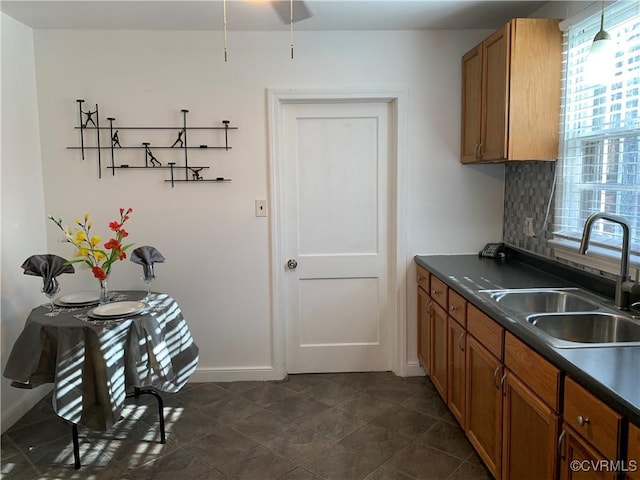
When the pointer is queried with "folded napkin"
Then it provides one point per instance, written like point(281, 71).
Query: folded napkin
point(47, 266)
point(147, 256)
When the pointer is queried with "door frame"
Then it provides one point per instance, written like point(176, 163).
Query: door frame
point(398, 160)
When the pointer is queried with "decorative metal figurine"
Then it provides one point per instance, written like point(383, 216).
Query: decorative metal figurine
point(90, 120)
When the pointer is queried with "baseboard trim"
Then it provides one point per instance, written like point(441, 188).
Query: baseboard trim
point(413, 369)
point(259, 374)
point(21, 406)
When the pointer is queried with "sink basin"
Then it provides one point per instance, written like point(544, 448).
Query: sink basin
point(594, 328)
point(542, 300)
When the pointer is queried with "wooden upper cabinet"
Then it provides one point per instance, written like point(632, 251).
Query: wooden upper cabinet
point(471, 104)
point(511, 94)
point(495, 92)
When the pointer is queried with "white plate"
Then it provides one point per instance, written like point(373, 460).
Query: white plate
point(79, 298)
point(118, 309)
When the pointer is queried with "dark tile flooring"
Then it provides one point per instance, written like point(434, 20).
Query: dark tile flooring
point(344, 426)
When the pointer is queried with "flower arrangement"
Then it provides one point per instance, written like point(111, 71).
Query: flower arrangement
point(100, 260)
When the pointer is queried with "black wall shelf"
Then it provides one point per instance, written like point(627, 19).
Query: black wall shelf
point(90, 121)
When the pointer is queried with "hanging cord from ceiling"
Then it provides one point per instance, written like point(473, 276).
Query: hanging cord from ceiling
point(224, 28)
point(291, 24)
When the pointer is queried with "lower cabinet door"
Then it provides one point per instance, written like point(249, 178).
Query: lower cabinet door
point(530, 434)
point(456, 348)
point(424, 307)
point(438, 350)
point(484, 404)
point(580, 461)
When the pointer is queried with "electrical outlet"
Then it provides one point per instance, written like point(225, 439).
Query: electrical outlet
point(528, 227)
point(261, 208)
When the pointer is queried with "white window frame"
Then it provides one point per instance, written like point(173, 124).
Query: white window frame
point(604, 251)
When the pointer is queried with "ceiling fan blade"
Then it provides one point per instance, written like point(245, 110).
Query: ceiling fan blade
point(283, 9)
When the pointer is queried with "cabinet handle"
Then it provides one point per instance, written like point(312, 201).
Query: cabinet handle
point(582, 421)
point(561, 442)
point(504, 377)
point(460, 345)
point(495, 377)
point(436, 291)
point(420, 278)
point(475, 150)
point(452, 308)
point(479, 155)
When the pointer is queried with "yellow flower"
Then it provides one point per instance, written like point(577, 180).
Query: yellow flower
point(99, 255)
point(95, 240)
point(90, 224)
point(80, 236)
point(82, 252)
point(86, 216)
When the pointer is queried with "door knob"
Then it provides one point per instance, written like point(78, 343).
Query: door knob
point(292, 264)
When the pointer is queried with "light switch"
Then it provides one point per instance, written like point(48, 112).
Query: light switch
point(261, 208)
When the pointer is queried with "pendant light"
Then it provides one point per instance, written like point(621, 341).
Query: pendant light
point(600, 62)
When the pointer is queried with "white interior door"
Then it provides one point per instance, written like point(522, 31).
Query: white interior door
point(335, 219)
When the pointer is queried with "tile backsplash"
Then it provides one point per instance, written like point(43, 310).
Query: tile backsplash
point(528, 188)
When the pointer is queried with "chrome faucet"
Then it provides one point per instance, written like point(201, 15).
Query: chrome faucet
point(623, 284)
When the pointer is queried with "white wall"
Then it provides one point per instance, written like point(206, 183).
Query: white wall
point(23, 226)
point(218, 265)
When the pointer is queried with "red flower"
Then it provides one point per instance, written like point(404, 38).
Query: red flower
point(99, 273)
point(113, 244)
point(123, 233)
point(122, 255)
point(114, 226)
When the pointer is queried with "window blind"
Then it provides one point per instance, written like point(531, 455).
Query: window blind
point(599, 166)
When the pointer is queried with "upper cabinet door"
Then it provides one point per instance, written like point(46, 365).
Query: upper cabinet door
point(511, 94)
point(471, 104)
point(495, 91)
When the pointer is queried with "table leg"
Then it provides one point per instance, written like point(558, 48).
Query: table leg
point(137, 391)
point(76, 446)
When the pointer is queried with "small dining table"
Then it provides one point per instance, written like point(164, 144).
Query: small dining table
point(94, 364)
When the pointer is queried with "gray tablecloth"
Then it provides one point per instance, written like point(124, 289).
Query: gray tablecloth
point(93, 364)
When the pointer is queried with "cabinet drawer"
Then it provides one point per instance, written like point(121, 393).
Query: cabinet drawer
point(538, 374)
point(439, 291)
point(487, 331)
point(592, 419)
point(634, 451)
point(422, 278)
point(458, 308)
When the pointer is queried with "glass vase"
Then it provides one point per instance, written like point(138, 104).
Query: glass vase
point(104, 291)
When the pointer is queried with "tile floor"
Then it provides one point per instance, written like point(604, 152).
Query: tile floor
point(345, 426)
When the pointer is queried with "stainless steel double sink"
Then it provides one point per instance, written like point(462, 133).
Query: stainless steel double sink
point(568, 317)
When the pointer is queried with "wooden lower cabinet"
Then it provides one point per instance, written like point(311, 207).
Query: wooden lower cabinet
point(424, 307)
point(508, 398)
point(633, 453)
point(579, 458)
point(438, 349)
point(484, 404)
point(530, 434)
point(456, 378)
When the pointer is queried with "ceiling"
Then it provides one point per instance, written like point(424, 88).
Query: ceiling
point(260, 15)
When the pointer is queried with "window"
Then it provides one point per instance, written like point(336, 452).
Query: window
point(599, 166)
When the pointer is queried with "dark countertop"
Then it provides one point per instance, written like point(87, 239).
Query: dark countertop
point(610, 373)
